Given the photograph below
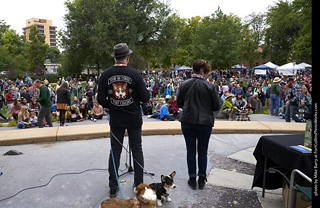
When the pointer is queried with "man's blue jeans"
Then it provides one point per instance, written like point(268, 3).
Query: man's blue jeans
point(193, 133)
point(290, 112)
point(275, 104)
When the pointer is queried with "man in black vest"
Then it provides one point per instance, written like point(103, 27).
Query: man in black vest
point(121, 89)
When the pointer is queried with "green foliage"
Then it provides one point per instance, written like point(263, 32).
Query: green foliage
point(218, 40)
point(160, 38)
point(36, 51)
point(302, 47)
point(180, 57)
point(283, 31)
point(95, 26)
point(13, 50)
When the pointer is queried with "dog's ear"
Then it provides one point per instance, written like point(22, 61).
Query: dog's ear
point(173, 174)
point(153, 186)
point(114, 86)
point(125, 85)
point(135, 190)
point(163, 178)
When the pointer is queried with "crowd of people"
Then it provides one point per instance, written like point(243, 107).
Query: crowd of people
point(289, 98)
point(66, 100)
point(238, 92)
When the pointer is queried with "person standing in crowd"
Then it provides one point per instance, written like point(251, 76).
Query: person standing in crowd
point(9, 100)
point(275, 96)
point(155, 89)
point(293, 99)
point(45, 102)
point(121, 89)
point(90, 95)
point(1, 104)
point(63, 101)
point(198, 99)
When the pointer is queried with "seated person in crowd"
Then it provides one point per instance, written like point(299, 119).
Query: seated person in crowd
point(156, 113)
point(97, 111)
point(223, 96)
point(34, 106)
point(249, 93)
point(147, 107)
point(239, 102)
point(83, 95)
point(16, 109)
point(74, 114)
point(302, 111)
point(85, 102)
point(75, 101)
point(173, 108)
point(23, 118)
point(33, 119)
point(254, 102)
point(54, 110)
point(164, 113)
point(236, 90)
point(25, 94)
point(228, 106)
point(85, 111)
point(24, 102)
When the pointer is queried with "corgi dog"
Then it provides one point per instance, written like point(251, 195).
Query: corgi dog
point(164, 189)
point(145, 198)
point(120, 90)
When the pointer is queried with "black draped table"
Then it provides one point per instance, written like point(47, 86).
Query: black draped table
point(274, 152)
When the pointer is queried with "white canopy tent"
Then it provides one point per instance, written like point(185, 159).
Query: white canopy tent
point(272, 65)
point(289, 69)
point(305, 65)
point(184, 68)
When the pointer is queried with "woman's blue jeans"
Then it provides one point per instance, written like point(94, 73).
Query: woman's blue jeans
point(197, 140)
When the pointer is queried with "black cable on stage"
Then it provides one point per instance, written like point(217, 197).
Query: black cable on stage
point(59, 174)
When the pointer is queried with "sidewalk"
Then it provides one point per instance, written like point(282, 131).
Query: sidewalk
point(81, 132)
point(229, 180)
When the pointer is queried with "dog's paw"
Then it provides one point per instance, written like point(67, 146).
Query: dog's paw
point(159, 203)
point(168, 199)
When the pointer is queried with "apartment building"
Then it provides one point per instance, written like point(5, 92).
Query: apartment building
point(45, 28)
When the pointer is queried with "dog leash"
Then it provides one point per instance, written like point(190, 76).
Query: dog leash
point(115, 171)
point(148, 173)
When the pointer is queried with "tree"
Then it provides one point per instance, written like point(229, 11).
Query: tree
point(282, 32)
point(13, 51)
point(218, 40)
point(53, 54)
point(93, 27)
point(180, 57)
point(302, 47)
point(36, 51)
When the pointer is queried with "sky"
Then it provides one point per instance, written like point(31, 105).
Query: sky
point(16, 12)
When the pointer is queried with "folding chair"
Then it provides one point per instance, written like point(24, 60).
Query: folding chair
point(307, 191)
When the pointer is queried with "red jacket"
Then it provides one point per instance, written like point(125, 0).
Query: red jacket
point(174, 106)
point(9, 98)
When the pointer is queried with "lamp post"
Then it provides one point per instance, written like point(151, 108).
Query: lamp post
point(243, 36)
